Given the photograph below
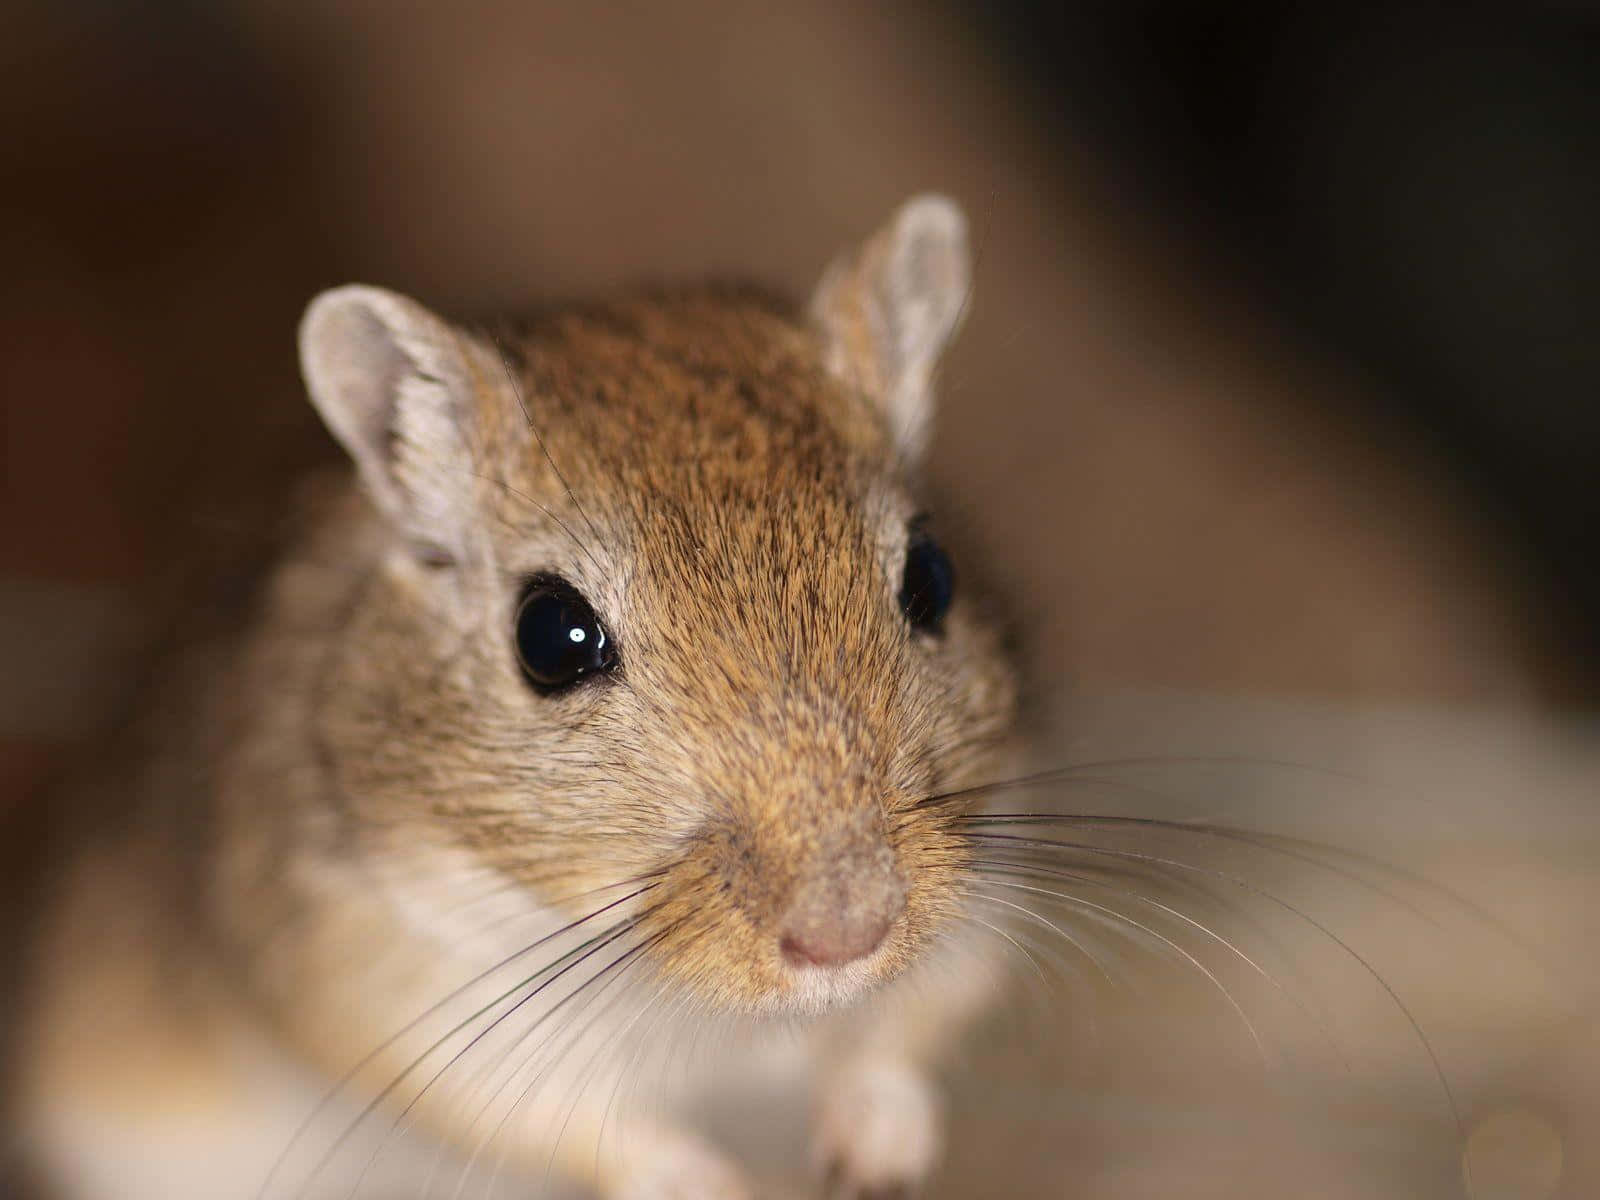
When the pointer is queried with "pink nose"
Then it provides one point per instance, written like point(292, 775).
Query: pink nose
point(833, 922)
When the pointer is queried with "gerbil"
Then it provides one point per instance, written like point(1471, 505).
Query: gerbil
point(630, 670)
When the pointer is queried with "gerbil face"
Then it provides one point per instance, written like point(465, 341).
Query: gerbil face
point(662, 607)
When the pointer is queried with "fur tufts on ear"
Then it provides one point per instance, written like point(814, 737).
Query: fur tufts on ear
point(888, 310)
point(393, 383)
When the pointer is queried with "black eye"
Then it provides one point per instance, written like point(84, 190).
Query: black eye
point(559, 639)
point(928, 585)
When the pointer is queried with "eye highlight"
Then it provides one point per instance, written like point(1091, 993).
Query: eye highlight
point(559, 639)
point(928, 585)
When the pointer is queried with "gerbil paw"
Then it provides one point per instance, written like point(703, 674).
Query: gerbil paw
point(878, 1133)
point(680, 1167)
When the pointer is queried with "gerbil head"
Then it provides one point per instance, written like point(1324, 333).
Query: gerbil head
point(660, 606)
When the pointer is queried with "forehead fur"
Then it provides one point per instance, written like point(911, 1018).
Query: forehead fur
point(702, 431)
point(723, 382)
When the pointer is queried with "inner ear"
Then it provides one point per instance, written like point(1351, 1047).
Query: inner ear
point(394, 385)
point(888, 309)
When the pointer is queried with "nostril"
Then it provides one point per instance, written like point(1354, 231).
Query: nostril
point(833, 934)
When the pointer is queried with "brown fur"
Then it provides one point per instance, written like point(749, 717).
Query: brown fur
point(735, 506)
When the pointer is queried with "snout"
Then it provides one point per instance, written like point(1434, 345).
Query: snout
point(841, 909)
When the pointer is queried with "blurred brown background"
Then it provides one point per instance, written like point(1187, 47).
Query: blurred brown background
point(1278, 389)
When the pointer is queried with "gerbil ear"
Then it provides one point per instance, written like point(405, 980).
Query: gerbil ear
point(888, 309)
point(393, 383)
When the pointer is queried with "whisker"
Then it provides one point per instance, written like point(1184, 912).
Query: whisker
point(1190, 958)
point(1048, 924)
point(1223, 833)
point(1266, 841)
point(1275, 843)
point(1052, 952)
point(651, 1006)
point(522, 403)
point(998, 932)
point(674, 1031)
point(1367, 967)
point(581, 1083)
point(1178, 914)
point(1072, 771)
point(546, 510)
point(621, 964)
point(349, 1076)
point(600, 942)
point(484, 1074)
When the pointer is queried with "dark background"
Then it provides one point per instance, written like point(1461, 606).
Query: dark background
point(1403, 196)
point(1414, 187)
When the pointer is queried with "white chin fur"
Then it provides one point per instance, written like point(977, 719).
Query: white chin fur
point(816, 990)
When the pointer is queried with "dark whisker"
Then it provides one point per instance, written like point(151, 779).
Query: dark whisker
point(1075, 775)
point(594, 946)
point(1309, 849)
point(344, 1080)
point(1072, 772)
point(590, 947)
point(1274, 843)
point(1261, 841)
point(545, 509)
point(516, 388)
point(485, 1074)
point(581, 1083)
point(621, 964)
